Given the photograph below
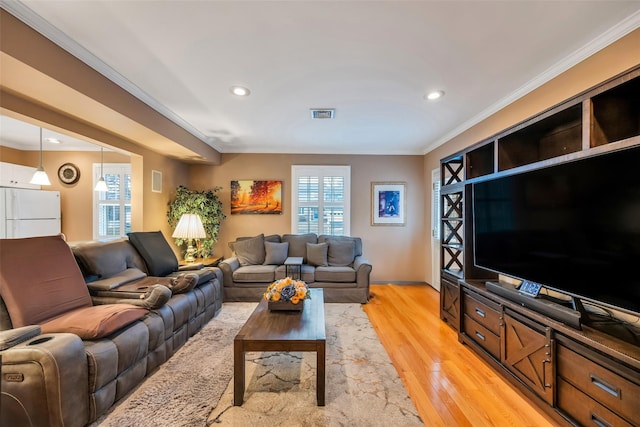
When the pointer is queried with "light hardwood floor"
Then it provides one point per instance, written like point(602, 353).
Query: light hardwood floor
point(447, 382)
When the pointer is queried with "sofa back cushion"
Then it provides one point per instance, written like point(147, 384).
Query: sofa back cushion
point(102, 260)
point(40, 280)
point(341, 252)
point(250, 251)
point(298, 244)
point(357, 241)
point(156, 252)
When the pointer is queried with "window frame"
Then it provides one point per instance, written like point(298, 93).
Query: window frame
point(321, 171)
point(121, 169)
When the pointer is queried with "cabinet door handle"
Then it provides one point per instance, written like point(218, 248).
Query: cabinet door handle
point(479, 335)
point(602, 384)
point(599, 421)
point(480, 313)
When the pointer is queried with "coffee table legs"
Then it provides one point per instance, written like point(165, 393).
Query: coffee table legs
point(239, 374)
point(320, 371)
point(238, 371)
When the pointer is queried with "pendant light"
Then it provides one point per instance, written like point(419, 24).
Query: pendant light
point(40, 176)
point(101, 185)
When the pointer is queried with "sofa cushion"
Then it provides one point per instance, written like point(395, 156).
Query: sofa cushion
point(156, 252)
point(275, 253)
point(35, 295)
point(341, 252)
point(250, 251)
point(95, 322)
point(102, 260)
point(255, 273)
point(357, 240)
point(335, 274)
point(126, 276)
point(298, 244)
point(317, 254)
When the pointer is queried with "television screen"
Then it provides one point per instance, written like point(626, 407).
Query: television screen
point(572, 227)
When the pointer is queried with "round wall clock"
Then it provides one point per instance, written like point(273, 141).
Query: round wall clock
point(69, 173)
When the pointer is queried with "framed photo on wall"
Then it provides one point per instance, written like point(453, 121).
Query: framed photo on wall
point(256, 197)
point(389, 203)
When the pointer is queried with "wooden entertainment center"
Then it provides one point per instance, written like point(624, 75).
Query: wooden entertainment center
point(578, 375)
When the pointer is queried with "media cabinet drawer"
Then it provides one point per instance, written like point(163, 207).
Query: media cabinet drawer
point(610, 389)
point(482, 311)
point(483, 336)
point(584, 409)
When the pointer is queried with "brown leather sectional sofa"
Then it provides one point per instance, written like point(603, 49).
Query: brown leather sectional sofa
point(81, 327)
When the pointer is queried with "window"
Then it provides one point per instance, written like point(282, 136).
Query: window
point(320, 199)
point(112, 209)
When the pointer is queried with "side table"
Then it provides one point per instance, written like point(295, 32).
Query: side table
point(293, 267)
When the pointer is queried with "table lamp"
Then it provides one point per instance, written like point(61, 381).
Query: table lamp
point(189, 228)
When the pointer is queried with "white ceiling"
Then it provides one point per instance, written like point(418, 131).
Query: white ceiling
point(373, 61)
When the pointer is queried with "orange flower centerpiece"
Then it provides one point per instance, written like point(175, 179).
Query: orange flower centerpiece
point(287, 294)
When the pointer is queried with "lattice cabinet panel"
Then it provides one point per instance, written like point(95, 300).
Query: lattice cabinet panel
point(452, 171)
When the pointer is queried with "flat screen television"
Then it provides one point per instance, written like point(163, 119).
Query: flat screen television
point(572, 227)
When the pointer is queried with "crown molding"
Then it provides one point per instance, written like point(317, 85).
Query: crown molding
point(613, 34)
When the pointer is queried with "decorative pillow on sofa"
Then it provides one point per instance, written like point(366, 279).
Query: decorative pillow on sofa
point(275, 253)
point(250, 251)
point(155, 251)
point(341, 252)
point(94, 322)
point(317, 254)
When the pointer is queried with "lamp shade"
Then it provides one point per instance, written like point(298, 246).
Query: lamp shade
point(40, 177)
point(189, 227)
point(101, 185)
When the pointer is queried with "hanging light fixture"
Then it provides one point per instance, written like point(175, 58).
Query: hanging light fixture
point(101, 185)
point(40, 176)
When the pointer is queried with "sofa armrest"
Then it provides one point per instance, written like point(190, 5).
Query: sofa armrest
point(228, 266)
point(43, 373)
point(363, 271)
point(359, 262)
point(217, 272)
point(13, 337)
point(188, 267)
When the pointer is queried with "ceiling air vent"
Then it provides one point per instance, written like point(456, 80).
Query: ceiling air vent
point(322, 113)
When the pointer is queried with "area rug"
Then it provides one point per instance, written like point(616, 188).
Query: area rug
point(195, 387)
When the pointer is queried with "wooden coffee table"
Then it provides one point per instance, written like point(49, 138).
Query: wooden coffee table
point(282, 331)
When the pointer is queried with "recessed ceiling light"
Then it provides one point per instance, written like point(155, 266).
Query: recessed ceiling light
point(239, 90)
point(436, 94)
point(54, 140)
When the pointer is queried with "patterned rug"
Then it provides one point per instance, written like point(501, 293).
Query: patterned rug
point(195, 387)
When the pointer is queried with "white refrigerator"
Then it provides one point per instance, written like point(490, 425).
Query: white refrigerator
point(29, 213)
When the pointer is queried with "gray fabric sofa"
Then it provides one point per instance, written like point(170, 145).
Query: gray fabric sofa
point(334, 263)
point(81, 327)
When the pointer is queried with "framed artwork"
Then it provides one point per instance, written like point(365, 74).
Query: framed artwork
point(256, 197)
point(388, 203)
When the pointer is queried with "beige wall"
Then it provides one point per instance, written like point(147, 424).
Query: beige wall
point(609, 62)
point(148, 208)
point(396, 253)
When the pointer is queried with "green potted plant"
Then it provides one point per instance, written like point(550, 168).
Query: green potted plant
point(204, 203)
